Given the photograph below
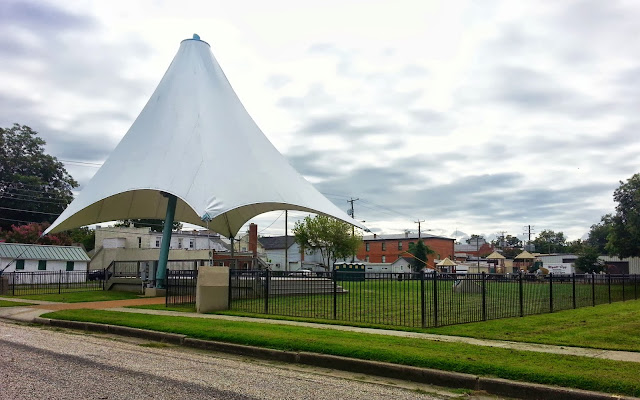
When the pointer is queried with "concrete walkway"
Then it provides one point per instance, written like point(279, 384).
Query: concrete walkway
point(29, 313)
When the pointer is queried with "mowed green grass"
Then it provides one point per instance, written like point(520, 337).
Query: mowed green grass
point(80, 297)
point(6, 303)
point(568, 371)
point(399, 303)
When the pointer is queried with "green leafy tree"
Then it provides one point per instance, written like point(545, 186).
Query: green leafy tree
point(624, 234)
point(156, 225)
point(84, 236)
point(575, 246)
point(588, 260)
point(474, 237)
point(550, 241)
point(420, 253)
point(34, 186)
point(507, 242)
point(599, 234)
point(331, 237)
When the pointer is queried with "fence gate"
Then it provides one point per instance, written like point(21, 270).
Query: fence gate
point(181, 287)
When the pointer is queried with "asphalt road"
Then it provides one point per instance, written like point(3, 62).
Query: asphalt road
point(38, 363)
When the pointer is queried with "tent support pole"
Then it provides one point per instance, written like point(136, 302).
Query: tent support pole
point(161, 273)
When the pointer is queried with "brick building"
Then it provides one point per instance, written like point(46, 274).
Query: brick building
point(388, 248)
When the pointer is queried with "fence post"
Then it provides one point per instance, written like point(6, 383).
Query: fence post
point(623, 296)
point(521, 295)
point(635, 286)
point(334, 277)
point(609, 284)
point(550, 292)
point(484, 296)
point(13, 287)
point(60, 282)
point(104, 277)
point(593, 288)
point(423, 311)
point(573, 277)
point(266, 291)
point(435, 298)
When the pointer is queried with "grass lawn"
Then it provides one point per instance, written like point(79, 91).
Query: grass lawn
point(80, 297)
point(190, 308)
point(5, 303)
point(569, 371)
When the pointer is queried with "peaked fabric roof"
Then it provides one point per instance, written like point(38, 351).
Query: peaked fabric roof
point(21, 251)
point(495, 256)
point(195, 140)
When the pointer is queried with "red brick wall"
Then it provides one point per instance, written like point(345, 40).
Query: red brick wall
point(442, 247)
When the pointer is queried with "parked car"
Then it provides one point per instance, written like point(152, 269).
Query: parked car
point(98, 275)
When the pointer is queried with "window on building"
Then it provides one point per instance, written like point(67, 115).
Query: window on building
point(366, 246)
point(19, 265)
point(139, 243)
point(158, 241)
point(384, 258)
point(179, 243)
point(366, 258)
point(42, 265)
point(70, 265)
point(192, 243)
point(384, 246)
point(399, 245)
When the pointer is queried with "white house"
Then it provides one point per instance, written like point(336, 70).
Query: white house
point(274, 248)
point(19, 258)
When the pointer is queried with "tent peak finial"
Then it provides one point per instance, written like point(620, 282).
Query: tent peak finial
point(196, 36)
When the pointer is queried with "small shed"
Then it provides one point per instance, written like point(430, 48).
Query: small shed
point(18, 257)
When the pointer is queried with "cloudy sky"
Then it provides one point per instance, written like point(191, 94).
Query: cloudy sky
point(477, 117)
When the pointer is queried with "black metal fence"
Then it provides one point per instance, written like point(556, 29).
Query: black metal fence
point(420, 299)
point(51, 282)
point(181, 287)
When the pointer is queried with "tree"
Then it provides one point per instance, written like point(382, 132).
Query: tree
point(624, 234)
point(550, 241)
point(156, 225)
point(474, 237)
point(507, 242)
point(84, 236)
point(34, 186)
point(420, 253)
point(588, 260)
point(30, 233)
point(329, 236)
point(599, 233)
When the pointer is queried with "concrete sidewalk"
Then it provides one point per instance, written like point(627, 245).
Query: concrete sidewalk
point(29, 313)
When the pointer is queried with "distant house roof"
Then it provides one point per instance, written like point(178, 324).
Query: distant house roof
point(21, 251)
point(403, 236)
point(407, 259)
point(276, 242)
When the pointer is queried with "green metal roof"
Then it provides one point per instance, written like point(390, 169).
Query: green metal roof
point(21, 251)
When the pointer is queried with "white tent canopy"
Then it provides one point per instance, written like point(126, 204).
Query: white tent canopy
point(194, 140)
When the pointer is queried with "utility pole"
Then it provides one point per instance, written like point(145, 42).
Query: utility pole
point(529, 231)
point(419, 233)
point(353, 230)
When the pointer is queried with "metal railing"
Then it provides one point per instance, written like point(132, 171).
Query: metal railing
point(181, 287)
point(420, 299)
point(51, 282)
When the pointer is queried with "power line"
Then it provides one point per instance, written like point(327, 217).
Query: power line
point(31, 211)
point(83, 163)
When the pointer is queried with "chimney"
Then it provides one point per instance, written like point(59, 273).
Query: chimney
point(253, 239)
point(406, 234)
point(375, 236)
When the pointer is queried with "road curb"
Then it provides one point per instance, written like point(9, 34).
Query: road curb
point(495, 386)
